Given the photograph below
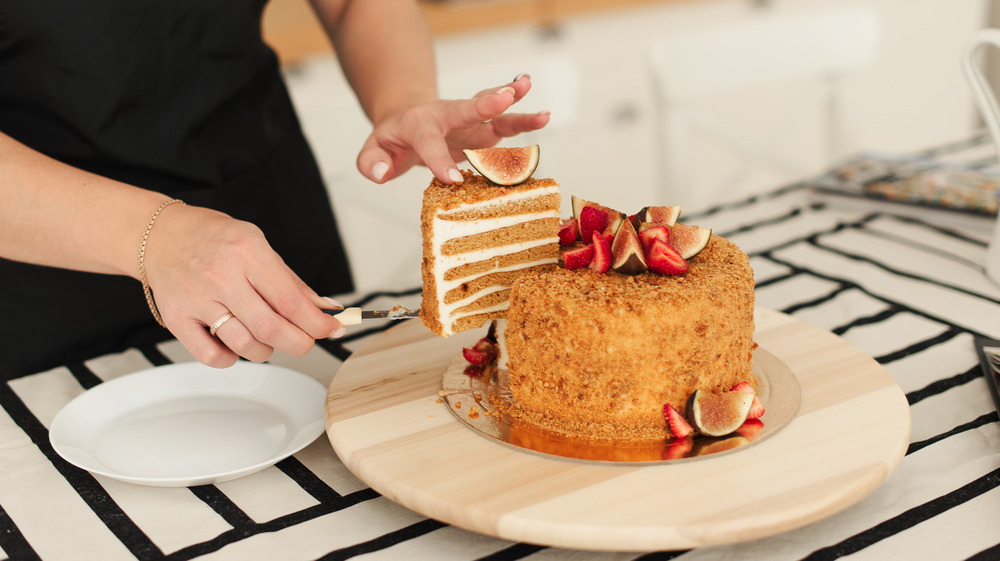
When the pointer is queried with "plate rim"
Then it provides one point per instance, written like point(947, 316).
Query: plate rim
point(302, 434)
point(540, 519)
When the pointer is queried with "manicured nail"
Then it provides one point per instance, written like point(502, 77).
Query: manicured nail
point(335, 305)
point(456, 176)
point(379, 170)
point(506, 89)
point(521, 75)
point(338, 333)
point(544, 113)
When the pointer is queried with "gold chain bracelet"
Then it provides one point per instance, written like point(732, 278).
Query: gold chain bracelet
point(142, 260)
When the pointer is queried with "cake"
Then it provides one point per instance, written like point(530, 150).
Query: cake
point(597, 356)
point(478, 238)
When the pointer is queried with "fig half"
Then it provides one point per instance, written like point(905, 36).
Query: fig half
point(689, 240)
point(718, 414)
point(504, 166)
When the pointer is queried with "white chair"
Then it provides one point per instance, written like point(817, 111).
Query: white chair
point(749, 104)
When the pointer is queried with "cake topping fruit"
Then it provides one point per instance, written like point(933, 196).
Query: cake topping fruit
point(689, 240)
point(614, 217)
point(757, 408)
point(504, 166)
point(592, 219)
point(569, 231)
point(483, 352)
point(663, 259)
point(650, 232)
point(602, 253)
point(578, 258)
point(662, 214)
point(679, 427)
point(627, 252)
point(718, 414)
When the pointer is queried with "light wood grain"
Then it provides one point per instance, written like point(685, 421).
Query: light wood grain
point(389, 426)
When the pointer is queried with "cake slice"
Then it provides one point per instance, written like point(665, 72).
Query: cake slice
point(478, 238)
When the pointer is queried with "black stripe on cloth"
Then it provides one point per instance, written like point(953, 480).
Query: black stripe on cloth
point(385, 541)
point(940, 386)
point(662, 555)
point(83, 375)
point(814, 240)
point(275, 525)
point(908, 519)
point(751, 200)
point(385, 294)
point(982, 420)
point(946, 335)
point(817, 301)
point(780, 278)
point(794, 213)
point(516, 551)
point(307, 480)
point(12, 541)
point(868, 320)
point(154, 355)
point(87, 487)
point(224, 507)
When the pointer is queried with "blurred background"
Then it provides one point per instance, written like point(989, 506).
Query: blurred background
point(654, 102)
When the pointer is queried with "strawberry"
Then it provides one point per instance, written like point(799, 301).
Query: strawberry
point(602, 253)
point(679, 426)
point(569, 230)
point(578, 258)
point(592, 220)
point(650, 233)
point(663, 259)
point(483, 352)
point(757, 407)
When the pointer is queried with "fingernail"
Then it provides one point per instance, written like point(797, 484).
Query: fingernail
point(456, 176)
point(522, 75)
point(338, 333)
point(336, 305)
point(544, 113)
point(505, 89)
point(379, 170)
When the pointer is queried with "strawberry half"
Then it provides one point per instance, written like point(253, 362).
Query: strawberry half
point(679, 426)
point(483, 352)
point(663, 259)
point(578, 258)
point(569, 230)
point(650, 233)
point(757, 407)
point(592, 220)
point(602, 253)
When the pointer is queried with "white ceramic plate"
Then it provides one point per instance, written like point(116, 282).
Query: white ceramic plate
point(190, 424)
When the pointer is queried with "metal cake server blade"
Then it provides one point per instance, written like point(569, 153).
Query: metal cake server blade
point(354, 316)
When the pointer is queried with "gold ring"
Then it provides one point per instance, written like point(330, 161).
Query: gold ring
point(218, 323)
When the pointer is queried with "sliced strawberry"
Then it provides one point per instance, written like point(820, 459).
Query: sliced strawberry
point(663, 259)
point(592, 219)
point(578, 258)
point(569, 230)
point(602, 253)
point(679, 426)
point(483, 352)
point(650, 233)
point(757, 407)
point(750, 428)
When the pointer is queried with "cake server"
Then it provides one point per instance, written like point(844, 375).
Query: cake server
point(354, 316)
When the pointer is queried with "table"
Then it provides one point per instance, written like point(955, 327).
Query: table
point(904, 285)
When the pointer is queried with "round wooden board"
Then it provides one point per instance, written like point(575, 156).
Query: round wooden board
point(390, 427)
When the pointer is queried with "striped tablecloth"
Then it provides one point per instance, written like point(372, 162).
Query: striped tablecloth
point(907, 288)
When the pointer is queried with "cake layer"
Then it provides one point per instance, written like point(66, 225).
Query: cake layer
point(597, 356)
point(478, 237)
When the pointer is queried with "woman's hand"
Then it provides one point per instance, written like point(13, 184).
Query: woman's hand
point(202, 264)
point(436, 133)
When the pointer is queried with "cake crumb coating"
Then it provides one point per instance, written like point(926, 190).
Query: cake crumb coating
point(597, 356)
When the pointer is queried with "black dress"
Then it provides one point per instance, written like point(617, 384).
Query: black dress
point(181, 97)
